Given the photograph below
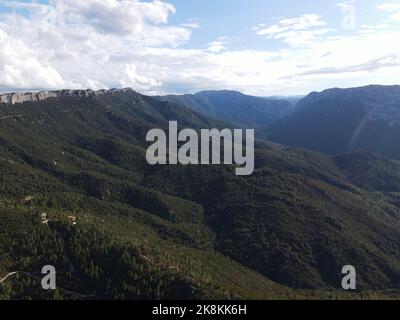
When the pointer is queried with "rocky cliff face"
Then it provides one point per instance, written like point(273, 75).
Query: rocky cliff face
point(15, 98)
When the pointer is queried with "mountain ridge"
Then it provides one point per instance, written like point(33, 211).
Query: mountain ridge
point(233, 106)
point(337, 120)
point(21, 97)
point(183, 231)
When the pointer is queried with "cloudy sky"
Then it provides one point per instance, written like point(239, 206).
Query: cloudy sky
point(260, 47)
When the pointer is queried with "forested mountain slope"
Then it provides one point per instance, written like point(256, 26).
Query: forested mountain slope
point(343, 120)
point(180, 232)
point(241, 109)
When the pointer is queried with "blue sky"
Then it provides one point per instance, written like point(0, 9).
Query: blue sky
point(261, 47)
point(236, 18)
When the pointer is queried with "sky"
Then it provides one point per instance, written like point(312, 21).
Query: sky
point(259, 47)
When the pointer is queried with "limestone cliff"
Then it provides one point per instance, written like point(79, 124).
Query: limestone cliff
point(15, 98)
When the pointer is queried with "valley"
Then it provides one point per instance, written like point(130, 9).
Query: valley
point(184, 232)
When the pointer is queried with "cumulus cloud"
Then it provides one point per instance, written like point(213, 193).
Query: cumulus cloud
point(90, 43)
point(130, 43)
point(118, 17)
point(20, 65)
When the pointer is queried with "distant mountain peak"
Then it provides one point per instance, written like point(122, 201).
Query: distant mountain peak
point(234, 107)
point(379, 102)
point(218, 91)
point(373, 88)
point(20, 97)
point(337, 120)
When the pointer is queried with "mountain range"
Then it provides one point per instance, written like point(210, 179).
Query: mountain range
point(235, 107)
point(343, 120)
point(191, 232)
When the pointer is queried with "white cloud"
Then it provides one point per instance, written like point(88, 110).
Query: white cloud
point(346, 4)
point(296, 31)
point(20, 65)
point(303, 22)
point(393, 10)
point(78, 47)
point(192, 24)
point(118, 17)
point(216, 46)
point(90, 43)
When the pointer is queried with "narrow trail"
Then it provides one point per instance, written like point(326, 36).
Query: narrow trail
point(71, 267)
point(8, 276)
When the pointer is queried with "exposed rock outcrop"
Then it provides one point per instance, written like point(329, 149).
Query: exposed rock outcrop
point(15, 98)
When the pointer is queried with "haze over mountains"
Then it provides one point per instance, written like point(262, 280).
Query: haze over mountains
point(235, 107)
point(342, 120)
point(334, 121)
point(156, 232)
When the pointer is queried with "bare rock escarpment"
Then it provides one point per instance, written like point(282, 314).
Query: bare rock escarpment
point(15, 98)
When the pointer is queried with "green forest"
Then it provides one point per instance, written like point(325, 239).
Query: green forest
point(118, 228)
